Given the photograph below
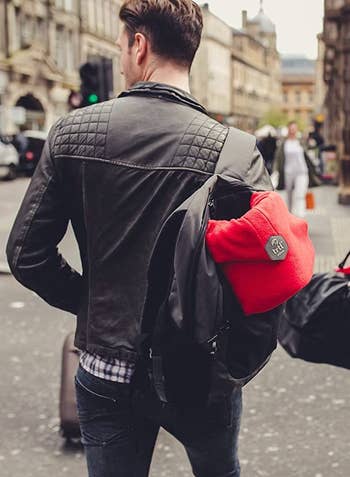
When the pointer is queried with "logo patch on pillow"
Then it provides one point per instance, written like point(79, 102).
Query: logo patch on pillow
point(276, 248)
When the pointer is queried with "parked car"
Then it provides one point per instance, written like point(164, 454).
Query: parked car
point(9, 160)
point(29, 158)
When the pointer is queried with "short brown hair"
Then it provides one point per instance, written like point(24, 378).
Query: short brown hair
point(174, 27)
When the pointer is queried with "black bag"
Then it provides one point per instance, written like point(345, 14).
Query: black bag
point(201, 344)
point(316, 323)
point(197, 344)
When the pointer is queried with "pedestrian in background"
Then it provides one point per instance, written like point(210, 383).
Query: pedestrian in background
point(117, 170)
point(267, 146)
point(314, 144)
point(20, 141)
point(295, 171)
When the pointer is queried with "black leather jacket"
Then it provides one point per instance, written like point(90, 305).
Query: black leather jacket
point(116, 170)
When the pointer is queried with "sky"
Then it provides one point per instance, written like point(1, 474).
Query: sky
point(297, 21)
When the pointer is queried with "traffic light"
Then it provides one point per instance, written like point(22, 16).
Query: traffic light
point(96, 81)
point(107, 75)
point(90, 84)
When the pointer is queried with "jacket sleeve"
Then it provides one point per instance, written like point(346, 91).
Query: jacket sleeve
point(257, 175)
point(40, 225)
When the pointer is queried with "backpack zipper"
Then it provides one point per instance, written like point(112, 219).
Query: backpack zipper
point(209, 204)
point(213, 340)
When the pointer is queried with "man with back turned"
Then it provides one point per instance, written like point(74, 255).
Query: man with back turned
point(116, 170)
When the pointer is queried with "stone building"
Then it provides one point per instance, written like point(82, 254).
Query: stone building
point(255, 71)
point(298, 85)
point(99, 32)
point(337, 77)
point(320, 86)
point(211, 74)
point(42, 44)
point(236, 73)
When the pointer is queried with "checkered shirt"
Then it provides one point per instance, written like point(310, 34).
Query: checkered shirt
point(111, 369)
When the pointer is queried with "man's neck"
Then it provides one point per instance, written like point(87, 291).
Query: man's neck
point(169, 75)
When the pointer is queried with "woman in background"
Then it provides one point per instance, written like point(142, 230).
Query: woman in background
point(295, 171)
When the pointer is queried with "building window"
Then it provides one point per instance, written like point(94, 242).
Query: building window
point(107, 12)
point(16, 40)
point(285, 97)
point(99, 16)
point(311, 97)
point(91, 15)
point(60, 47)
point(114, 21)
point(298, 97)
point(27, 30)
point(69, 5)
point(70, 52)
point(40, 32)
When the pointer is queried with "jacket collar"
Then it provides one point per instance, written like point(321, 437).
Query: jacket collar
point(164, 91)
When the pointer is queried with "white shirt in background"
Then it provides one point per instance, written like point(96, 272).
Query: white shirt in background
point(295, 160)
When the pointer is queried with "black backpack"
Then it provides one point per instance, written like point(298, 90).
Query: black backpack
point(198, 345)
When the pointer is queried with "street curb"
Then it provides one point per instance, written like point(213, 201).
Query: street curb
point(4, 269)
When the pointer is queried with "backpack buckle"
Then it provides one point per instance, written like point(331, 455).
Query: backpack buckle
point(214, 347)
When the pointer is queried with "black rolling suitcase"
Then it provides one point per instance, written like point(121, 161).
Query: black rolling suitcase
point(69, 423)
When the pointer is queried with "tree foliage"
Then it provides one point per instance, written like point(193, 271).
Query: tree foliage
point(274, 117)
point(278, 119)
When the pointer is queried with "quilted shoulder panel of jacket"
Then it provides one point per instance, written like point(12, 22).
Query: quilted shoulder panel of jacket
point(83, 132)
point(201, 145)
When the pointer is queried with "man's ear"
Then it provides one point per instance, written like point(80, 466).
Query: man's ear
point(142, 47)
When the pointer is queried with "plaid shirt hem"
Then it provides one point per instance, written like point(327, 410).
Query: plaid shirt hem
point(111, 369)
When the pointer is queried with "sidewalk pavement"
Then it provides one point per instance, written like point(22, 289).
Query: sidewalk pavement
point(329, 227)
point(11, 194)
point(296, 414)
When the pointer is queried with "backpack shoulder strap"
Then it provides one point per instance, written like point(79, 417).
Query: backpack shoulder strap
point(236, 154)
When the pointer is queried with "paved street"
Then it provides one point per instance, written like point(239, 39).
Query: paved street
point(296, 414)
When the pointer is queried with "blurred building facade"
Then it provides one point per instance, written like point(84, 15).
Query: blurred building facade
point(99, 31)
point(320, 86)
point(236, 73)
point(299, 89)
point(337, 77)
point(211, 74)
point(42, 44)
point(256, 70)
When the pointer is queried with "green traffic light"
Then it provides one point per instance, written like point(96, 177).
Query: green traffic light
point(93, 98)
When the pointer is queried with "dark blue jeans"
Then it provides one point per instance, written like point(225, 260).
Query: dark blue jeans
point(120, 423)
